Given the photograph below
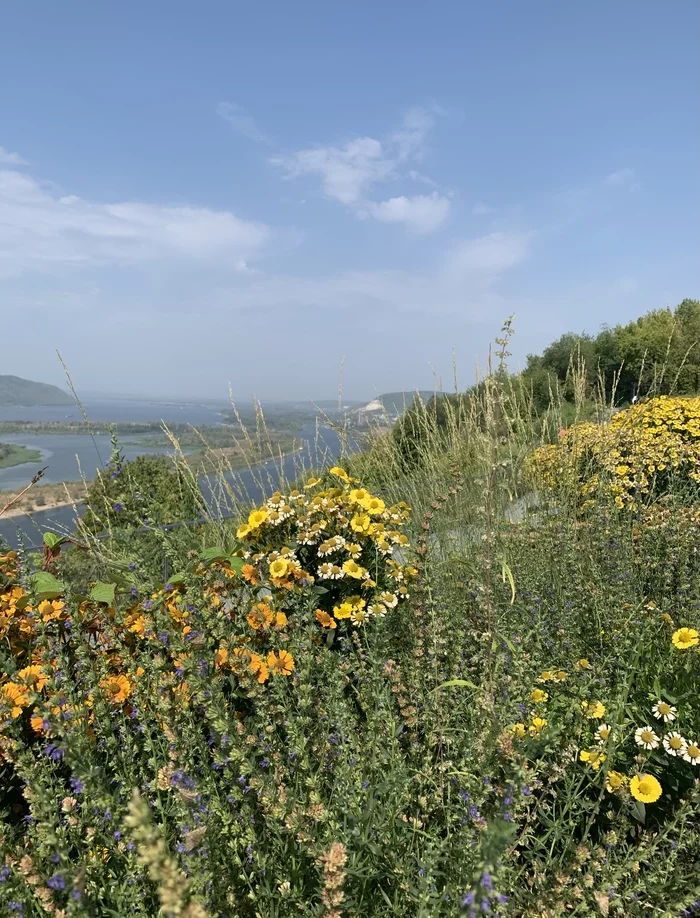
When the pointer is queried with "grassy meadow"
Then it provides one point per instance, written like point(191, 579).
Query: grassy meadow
point(455, 676)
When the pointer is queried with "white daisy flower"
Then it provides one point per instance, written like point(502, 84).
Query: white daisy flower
point(664, 711)
point(692, 752)
point(645, 737)
point(674, 743)
point(603, 733)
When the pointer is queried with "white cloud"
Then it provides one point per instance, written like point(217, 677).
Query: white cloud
point(621, 177)
point(348, 173)
point(423, 213)
point(480, 209)
point(488, 256)
point(11, 159)
point(40, 229)
point(244, 124)
point(419, 177)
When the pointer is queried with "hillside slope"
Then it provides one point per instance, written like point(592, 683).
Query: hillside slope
point(25, 392)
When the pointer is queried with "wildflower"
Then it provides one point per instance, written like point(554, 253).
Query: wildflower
point(38, 723)
point(692, 752)
point(117, 688)
point(243, 531)
point(362, 524)
point(593, 757)
point(603, 733)
point(664, 711)
point(33, 676)
point(312, 482)
point(50, 609)
point(374, 506)
point(595, 709)
point(583, 664)
point(250, 574)
point(537, 725)
point(339, 473)
point(615, 780)
point(220, 657)
point(256, 519)
point(674, 743)
point(352, 569)
point(56, 882)
point(260, 616)
point(517, 730)
point(359, 495)
point(377, 608)
point(685, 638)
point(280, 620)
point(538, 696)
point(17, 696)
point(279, 568)
point(325, 619)
point(259, 668)
point(281, 664)
point(645, 737)
point(645, 788)
point(343, 610)
point(358, 616)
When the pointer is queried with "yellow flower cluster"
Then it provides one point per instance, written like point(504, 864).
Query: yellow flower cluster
point(341, 538)
point(631, 457)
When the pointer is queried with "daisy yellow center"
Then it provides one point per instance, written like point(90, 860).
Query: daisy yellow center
point(647, 736)
point(675, 742)
point(604, 733)
point(694, 751)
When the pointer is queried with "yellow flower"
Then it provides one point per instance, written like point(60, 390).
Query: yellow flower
point(312, 482)
point(537, 725)
point(280, 620)
point(353, 569)
point(50, 609)
point(538, 696)
point(560, 675)
point(546, 676)
point(594, 757)
point(325, 619)
point(17, 696)
point(685, 638)
point(117, 688)
point(593, 709)
point(339, 473)
point(615, 781)
point(257, 518)
point(243, 531)
point(259, 668)
point(374, 505)
point(645, 788)
point(281, 664)
point(33, 676)
point(358, 495)
point(362, 524)
point(279, 568)
point(344, 610)
point(583, 664)
point(517, 730)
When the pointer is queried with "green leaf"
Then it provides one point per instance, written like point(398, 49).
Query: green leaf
point(51, 540)
point(639, 811)
point(217, 553)
point(457, 683)
point(176, 579)
point(319, 590)
point(46, 586)
point(236, 564)
point(103, 592)
point(508, 575)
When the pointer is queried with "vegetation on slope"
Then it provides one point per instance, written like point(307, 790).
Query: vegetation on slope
point(11, 455)
point(25, 392)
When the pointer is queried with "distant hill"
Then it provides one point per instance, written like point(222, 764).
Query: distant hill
point(26, 392)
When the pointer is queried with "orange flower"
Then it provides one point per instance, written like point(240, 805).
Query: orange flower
point(325, 619)
point(220, 657)
point(117, 688)
point(250, 574)
point(281, 664)
point(259, 668)
point(280, 620)
point(37, 722)
point(33, 676)
point(260, 616)
point(17, 696)
point(51, 609)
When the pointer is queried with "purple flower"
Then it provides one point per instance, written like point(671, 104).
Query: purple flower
point(76, 894)
point(54, 752)
point(118, 507)
point(526, 792)
point(473, 812)
point(77, 785)
point(56, 882)
point(486, 880)
point(468, 899)
point(4, 874)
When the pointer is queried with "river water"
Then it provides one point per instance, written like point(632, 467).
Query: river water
point(320, 446)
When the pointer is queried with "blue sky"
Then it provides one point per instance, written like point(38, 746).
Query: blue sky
point(198, 195)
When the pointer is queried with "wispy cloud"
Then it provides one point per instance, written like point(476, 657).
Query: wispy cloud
point(479, 209)
point(626, 177)
point(40, 229)
point(423, 213)
point(349, 172)
point(245, 124)
point(11, 159)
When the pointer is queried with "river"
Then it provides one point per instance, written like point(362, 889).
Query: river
point(320, 445)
